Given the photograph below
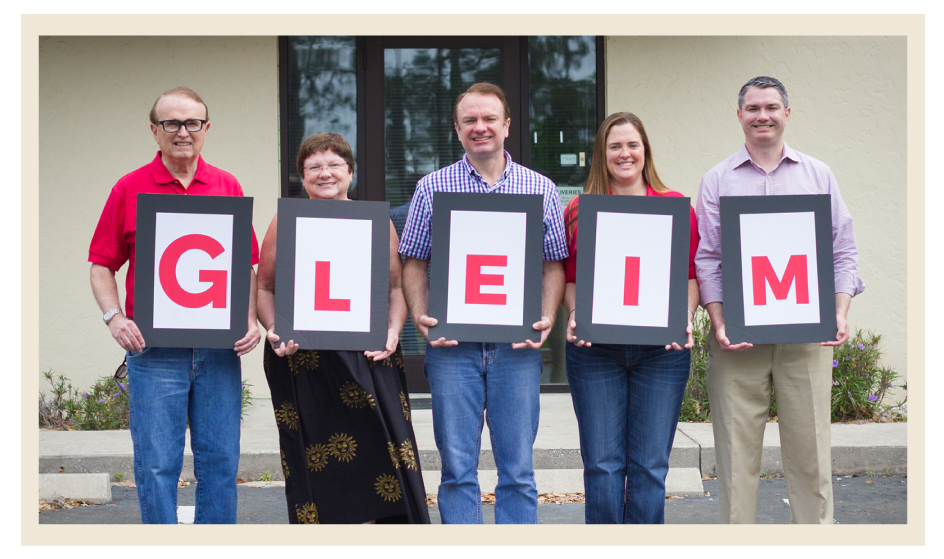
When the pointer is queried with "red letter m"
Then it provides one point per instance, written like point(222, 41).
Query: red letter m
point(796, 270)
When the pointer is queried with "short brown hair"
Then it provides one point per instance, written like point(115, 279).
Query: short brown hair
point(324, 141)
point(482, 88)
point(183, 92)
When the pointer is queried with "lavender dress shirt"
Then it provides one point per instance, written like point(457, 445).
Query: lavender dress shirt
point(796, 173)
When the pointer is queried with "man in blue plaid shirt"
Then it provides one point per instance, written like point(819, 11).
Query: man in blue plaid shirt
point(465, 378)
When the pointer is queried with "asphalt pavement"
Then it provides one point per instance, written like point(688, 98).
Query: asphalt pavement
point(864, 448)
point(858, 500)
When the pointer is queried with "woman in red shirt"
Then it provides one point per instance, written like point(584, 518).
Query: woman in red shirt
point(627, 397)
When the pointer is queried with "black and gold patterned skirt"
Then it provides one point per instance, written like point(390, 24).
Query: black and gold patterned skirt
point(348, 450)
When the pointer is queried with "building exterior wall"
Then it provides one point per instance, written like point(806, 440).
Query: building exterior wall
point(94, 97)
point(847, 96)
point(848, 100)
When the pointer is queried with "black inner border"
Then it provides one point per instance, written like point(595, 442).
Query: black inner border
point(149, 205)
point(379, 214)
point(680, 209)
point(443, 204)
point(733, 288)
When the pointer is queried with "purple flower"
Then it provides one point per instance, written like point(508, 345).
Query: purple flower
point(861, 346)
point(115, 395)
point(850, 395)
point(835, 363)
point(121, 386)
point(873, 398)
point(835, 383)
point(85, 394)
point(102, 401)
point(847, 357)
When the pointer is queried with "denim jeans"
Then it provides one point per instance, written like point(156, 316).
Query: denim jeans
point(168, 388)
point(627, 399)
point(465, 381)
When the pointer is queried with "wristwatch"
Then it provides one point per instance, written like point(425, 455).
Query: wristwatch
point(110, 315)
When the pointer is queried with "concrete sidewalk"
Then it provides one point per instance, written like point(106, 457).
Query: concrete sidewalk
point(880, 448)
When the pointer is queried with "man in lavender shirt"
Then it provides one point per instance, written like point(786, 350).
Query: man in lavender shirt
point(740, 375)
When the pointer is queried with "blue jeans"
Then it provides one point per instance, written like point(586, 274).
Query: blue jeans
point(464, 380)
point(168, 388)
point(627, 399)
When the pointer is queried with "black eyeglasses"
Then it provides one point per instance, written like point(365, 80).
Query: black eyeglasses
point(192, 125)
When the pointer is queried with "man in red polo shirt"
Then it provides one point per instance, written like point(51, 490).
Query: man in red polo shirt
point(171, 387)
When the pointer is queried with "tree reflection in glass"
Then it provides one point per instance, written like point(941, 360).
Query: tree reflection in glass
point(322, 96)
point(420, 88)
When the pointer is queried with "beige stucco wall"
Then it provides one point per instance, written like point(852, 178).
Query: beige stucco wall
point(847, 95)
point(848, 101)
point(94, 97)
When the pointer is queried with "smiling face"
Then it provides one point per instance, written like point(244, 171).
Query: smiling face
point(763, 117)
point(326, 184)
point(625, 159)
point(481, 126)
point(182, 147)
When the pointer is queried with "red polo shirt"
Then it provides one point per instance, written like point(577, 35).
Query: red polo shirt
point(114, 238)
point(570, 263)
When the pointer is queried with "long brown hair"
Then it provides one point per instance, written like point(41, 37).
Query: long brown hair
point(598, 181)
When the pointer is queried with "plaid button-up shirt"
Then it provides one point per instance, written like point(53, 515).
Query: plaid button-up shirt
point(416, 240)
point(796, 173)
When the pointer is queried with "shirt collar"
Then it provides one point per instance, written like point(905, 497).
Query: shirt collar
point(742, 156)
point(469, 169)
point(162, 176)
point(649, 190)
point(790, 153)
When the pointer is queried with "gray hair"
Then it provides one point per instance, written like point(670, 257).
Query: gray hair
point(763, 82)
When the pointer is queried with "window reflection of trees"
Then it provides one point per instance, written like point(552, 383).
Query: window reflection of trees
point(322, 96)
point(562, 76)
point(421, 86)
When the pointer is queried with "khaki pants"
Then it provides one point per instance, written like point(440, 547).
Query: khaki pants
point(739, 393)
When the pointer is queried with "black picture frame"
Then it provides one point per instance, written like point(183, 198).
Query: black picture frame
point(679, 209)
point(378, 213)
point(149, 205)
point(732, 207)
point(443, 204)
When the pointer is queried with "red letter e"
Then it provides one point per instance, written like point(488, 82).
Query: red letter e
point(475, 279)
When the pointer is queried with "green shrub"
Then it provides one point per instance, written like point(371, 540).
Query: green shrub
point(102, 407)
point(52, 412)
point(695, 405)
point(859, 383)
point(247, 400)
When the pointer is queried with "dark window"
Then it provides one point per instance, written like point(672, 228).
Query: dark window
point(392, 99)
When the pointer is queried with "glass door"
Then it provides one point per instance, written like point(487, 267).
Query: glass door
point(392, 98)
point(419, 79)
point(421, 86)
